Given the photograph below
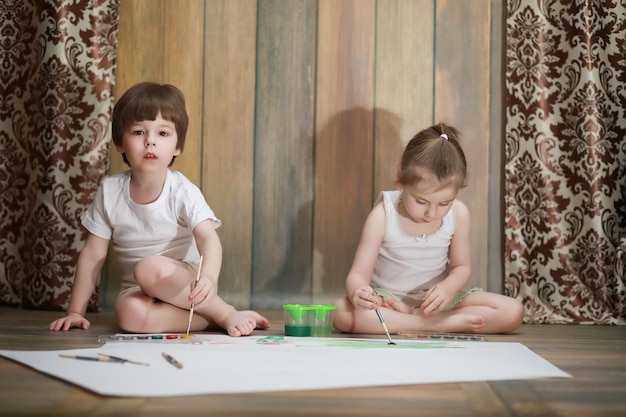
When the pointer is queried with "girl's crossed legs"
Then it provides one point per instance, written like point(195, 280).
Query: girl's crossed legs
point(478, 312)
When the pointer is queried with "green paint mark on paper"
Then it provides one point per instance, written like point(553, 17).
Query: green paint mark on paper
point(272, 340)
point(366, 344)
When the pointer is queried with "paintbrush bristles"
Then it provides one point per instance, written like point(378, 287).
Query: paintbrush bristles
point(380, 318)
point(193, 304)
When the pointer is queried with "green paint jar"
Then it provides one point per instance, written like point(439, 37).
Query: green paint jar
point(309, 319)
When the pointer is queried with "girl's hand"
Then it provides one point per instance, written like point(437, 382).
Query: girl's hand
point(437, 300)
point(365, 297)
point(69, 321)
point(204, 289)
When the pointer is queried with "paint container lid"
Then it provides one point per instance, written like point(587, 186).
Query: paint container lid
point(297, 311)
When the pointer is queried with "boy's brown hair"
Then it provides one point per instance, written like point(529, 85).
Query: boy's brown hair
point(144, 101)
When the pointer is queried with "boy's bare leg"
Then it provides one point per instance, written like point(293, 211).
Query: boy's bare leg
point(139, 313)
point(168, 281)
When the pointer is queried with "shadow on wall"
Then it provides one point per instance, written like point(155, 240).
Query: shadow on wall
point(356, 156)
point(292, 283)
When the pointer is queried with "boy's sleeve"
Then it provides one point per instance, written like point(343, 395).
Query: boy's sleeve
point(94, 218)
point(197, 209)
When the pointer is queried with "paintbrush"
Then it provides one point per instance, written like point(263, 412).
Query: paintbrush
point(90, 358)
point(193, 303)
point(122, 360)
point(380, 317)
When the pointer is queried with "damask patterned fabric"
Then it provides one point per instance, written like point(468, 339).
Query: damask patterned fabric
point(565, 175)
point(57, 63)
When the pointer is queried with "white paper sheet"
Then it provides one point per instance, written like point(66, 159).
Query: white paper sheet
point(216, 364)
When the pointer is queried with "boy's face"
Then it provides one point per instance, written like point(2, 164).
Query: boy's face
point(150, 145)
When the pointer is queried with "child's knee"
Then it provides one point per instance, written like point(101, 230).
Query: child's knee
point(131, 315)
point(343, 322)
point(343, 319)
point(515, 310)
point(147, 270)
point(519, 313)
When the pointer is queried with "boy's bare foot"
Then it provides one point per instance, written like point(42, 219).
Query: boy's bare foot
point(243, 323)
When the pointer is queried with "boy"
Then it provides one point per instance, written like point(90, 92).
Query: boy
point(159, 223)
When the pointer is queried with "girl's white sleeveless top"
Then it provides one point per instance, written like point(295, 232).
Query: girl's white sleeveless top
point(409, 265)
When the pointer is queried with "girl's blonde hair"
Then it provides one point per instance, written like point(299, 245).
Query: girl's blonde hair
point(434, 151)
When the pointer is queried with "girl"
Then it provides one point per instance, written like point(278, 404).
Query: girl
point(413, 259)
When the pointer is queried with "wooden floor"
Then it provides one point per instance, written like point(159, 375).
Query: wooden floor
point(595, 356)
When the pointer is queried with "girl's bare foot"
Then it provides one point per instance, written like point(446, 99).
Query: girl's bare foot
point(399, 306)
point(450, 322)
point(455, 323)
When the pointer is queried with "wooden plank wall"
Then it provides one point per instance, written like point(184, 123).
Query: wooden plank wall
point(299, 112)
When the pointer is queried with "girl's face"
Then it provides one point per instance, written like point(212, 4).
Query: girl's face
point(428, 201)
point(150, 145)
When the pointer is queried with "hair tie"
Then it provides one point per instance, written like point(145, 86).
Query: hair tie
point(443, 135)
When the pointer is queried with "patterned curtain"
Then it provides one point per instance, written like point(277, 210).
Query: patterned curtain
point(57, 62)
point(565, 162)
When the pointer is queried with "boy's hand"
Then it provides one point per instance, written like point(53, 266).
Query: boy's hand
point(365, 297)
point(70, 321)
point(204, 289)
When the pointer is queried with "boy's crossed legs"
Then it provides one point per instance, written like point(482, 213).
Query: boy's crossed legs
point(160, 303)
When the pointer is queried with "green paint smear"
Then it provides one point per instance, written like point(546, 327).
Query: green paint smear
point(358, 344)
point(272, 340)
point(362, 344)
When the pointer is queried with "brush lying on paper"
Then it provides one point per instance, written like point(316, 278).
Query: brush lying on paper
point(122, 360)
point(172, 361)
point(89, 358)
point(104, 358)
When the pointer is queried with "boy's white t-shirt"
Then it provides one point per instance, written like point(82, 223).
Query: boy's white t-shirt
point(408, 265)
point(164, 227)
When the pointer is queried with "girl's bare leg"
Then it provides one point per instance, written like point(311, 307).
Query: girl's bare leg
point(502, 314)
point(349, 319)
point(168, 281)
